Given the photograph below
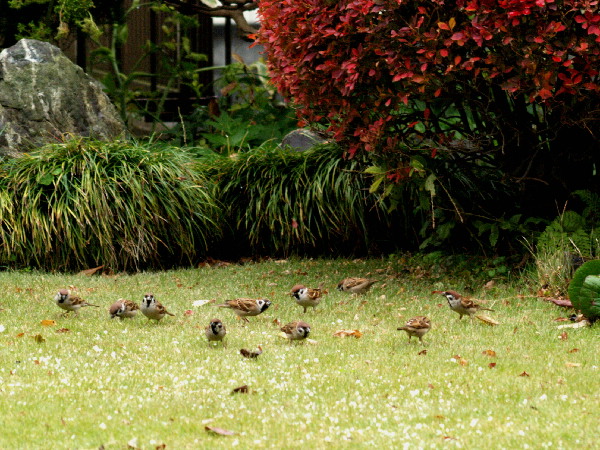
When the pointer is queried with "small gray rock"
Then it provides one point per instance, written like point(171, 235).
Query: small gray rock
point(301, 140)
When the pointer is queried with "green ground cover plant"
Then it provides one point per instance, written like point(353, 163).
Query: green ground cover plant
point(283, 202)
point(83, 203)
point(93, 382)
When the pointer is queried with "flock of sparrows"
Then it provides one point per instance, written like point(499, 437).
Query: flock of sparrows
point(247, 307)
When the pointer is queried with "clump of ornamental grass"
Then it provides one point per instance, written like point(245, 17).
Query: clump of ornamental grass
point(285, 202)
point(83, 203)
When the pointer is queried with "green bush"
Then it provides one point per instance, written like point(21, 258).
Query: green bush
point(83, 203)
point(282, 202)
point(584, 290)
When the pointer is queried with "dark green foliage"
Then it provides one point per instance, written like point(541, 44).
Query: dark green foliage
point(84, 203)
point(246, 114)
point(584, 290)
point(283, 202)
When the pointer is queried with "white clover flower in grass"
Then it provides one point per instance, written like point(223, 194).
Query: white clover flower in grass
point(2, 328)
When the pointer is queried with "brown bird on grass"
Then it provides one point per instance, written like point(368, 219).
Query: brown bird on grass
point(123, 309)
point(356, 285)
point(461, 305)
point(417, 326)
point(69, 302)
point(306, 297)
point(153, 309)
point(215, 331)
point(296, 331)
point(244, 307)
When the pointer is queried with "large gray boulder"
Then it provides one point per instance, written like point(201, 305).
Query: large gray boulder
point(44, 96)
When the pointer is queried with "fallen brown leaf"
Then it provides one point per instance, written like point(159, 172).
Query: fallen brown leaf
point(90, 272)
point(489, 285)
point(240, 389)
point(462, 361)
point(277, 322)
point(63, 330)
point(188, 312)
point(491, 365)
point(48, 322)
point(575, 350)
point(488, 320)
point(249, 354)
point(344, 333)
point(20, 334)
point(524, 374)
point(219, 431)
point(211, 262)
point(563, 336)
point(490, 353)
point(566, 303)
point(422, 352)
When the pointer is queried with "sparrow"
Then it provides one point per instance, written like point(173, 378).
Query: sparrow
point(462, 305)
point(296, 331)
point(123, 308)
point(69, 302)
point(215, 331)
point(356, 285)
point(306, 297)
point(153, 309)
point(243, 307)
point(417, 326)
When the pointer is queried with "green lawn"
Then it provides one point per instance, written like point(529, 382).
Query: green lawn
point(88, 381)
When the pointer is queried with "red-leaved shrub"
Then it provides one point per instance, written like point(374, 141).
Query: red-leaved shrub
point(506, 75)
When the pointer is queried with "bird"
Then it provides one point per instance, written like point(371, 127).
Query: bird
point(296, 331)
point(356, 285)
point(215, 331)
point(243, 307)
point(306, 297)
point(417, 326)
point(123, 308)
point(153, 309)
point(462, 305)
point(69, 302)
